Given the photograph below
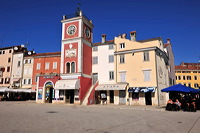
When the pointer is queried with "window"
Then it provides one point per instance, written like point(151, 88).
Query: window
point(73, 67)
point(24, 81)
point(189, 85)
point(146, 56)
point(122, 45)
point(178, 71)
point(194, 71)
point(122, 76)
point(8, 69)
point(111, 46)
point(196, 85)
point(47, 65)
point(185, 71)
point(195, 77)
point(111, 58)
point(9, 59)
point(68, 67)
point(38, 66)
point(7, 80)
point(183, 77)
point(19, 63)
point(1, 81)
point(111, 75)
point(25, 61)
point(122, 59)
point(95, 60)
point(188, 77)
point(95, 48)
point(147, 75)
point(54, 65)
point(10, 51)
point(179, 77)
point(135, 96)
point(3, 52)
point(29, 81)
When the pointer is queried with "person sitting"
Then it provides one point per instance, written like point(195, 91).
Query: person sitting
point(178, 105)
point(169, 106)
point(193, 106)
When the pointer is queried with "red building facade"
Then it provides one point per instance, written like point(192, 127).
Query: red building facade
point(75, 77)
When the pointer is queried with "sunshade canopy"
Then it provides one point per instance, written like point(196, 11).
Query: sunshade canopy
point(180, 88)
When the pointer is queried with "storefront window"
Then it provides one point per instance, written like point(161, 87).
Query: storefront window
point(61, 94)
point(135, 96)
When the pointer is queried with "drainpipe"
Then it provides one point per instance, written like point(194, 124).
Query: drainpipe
point(158, 93)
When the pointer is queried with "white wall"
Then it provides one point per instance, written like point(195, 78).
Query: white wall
point(103, 67)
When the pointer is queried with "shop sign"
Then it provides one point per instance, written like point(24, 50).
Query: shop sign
point(48, 77)
point(70, 77)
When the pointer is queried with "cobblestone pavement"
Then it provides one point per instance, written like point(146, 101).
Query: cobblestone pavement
point(29, 117)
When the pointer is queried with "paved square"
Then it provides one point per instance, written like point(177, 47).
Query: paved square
point(29, 117)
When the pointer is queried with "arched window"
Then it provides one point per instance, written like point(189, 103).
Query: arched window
point(73, 67)
point(68, 67)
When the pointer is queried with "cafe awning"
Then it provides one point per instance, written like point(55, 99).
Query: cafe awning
point(141, 89)
point(67, 84)
point(111, 87)
point(22, 90)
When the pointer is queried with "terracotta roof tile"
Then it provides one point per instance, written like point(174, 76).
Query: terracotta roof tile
point(46, 54)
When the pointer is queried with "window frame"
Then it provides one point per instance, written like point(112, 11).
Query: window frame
point(146, 56)
point(122, 58)
point(111, 75)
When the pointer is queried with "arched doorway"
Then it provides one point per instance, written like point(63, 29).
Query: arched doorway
point(49, 92)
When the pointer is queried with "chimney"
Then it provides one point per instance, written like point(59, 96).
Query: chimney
point(103, 38)
point(133, 35)
point(124, 36)
point(168, 40)
point(64, 17)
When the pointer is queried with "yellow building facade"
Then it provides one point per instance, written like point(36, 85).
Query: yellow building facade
point(188, 74)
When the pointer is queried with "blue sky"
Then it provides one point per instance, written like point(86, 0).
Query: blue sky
point(38, 22)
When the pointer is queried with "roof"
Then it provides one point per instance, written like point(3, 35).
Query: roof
point(11, 47)
point(187, 68)
point(47, 54)
point(106, 43)
point(152, 39)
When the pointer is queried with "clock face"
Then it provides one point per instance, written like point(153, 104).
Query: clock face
point(71, 30)
point(87, 32)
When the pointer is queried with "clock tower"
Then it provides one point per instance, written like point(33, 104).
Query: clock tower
point(76, 48)
point(76, 56)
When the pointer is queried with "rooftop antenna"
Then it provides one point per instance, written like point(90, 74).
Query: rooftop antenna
point(78, 9)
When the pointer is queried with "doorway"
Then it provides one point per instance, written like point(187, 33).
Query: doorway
point(122, 97)
point(69, 96)
point(148, 98)
point(111, 96)
point(48, 95)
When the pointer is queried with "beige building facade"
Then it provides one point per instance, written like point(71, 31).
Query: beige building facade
point(144, 66)
point(6, 56)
